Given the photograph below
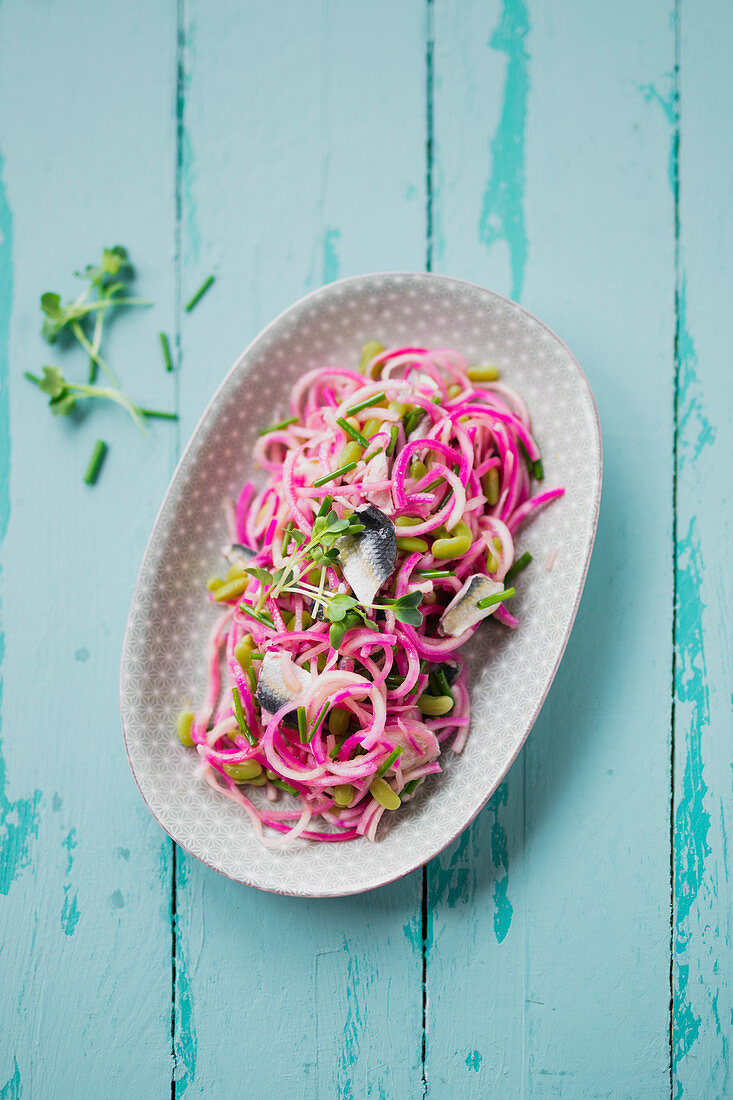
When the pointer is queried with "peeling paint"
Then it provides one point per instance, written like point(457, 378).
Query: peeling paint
point(70, 912)
point(502, 213)
point(12, 1089)
point(474, 1060)
point(184, 1040)
point(503, 910)
point(19, 818)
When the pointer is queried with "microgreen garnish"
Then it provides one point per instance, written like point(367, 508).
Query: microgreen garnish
point(195, 298)
point(63, 396)
point(109, 281)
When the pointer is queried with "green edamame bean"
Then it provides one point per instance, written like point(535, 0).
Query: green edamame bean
point(490, 485)
point(408, 521)
point(213, 583)
point(371, 428)
point(412, 545)
point(397, 407)
point(371, 349)
point(491, 563)
point(385, 796)
point(483, 374)
point(435, 705)
point(243, 649)
point(343, 794)
point(418, 469)
point(231, 589)
point(338, 721)
point(236, 569)
point(454, 545)
point(454, 390)
point(352, 452)
point(184, 721)
point(243, 773)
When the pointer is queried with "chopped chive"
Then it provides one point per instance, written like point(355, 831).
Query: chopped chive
point(257, 655)
point(374, 400)
point(319, 718)
point(386, 764)
point(539, 470)
point(252, 680)
point(498, 597)
point(302, 725)
point(518, 565)
point(355, 435)
point(335, 751)
point(32, 377)
point(441, 681)
point(166, 351)
point(325, 507)
point(433, 573)
point(412, 420)
point(276, 427)
point(156, 414)
point(394, 432)
point(433, 485)
point(260, 618)
point(241, 720)
point(394, 681)
point(286, 535)
point(410, 787)
point(285, 786)
point(525, 455)
point(346, 469)
point(373, 454)
point(95, 462)
point(199, 293)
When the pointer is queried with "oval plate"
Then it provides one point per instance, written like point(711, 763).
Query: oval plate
point(162, 660)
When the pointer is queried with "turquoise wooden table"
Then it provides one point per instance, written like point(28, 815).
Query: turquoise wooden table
point(576, 156)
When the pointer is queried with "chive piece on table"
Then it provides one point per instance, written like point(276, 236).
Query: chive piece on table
point(199, 293)
point(241, 720)
point(157, 414)
point(386, 764)
point(95, 462)
point(302, 725)
point(498, 597)
point(346, 469)
point(277, 427)
point(355, 435)
point(518, 565)
point(373, 400)
point(167, 359)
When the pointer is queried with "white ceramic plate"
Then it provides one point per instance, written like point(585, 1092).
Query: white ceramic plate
point(162, 662)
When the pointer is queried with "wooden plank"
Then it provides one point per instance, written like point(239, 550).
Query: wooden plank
point(549, 941)
point(87, 138)
point(703, 802)
point(304, 160)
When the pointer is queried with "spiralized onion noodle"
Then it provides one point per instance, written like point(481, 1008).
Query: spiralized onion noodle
point(449, 457)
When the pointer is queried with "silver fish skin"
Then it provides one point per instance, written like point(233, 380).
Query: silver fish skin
point(463, 612)
point(272, 691)
point(368, 558)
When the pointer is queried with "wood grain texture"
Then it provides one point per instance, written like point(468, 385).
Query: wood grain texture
point(87, 139)
point(550, 918)
point(574, 156)
point(297, 169)
point(703, 802)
